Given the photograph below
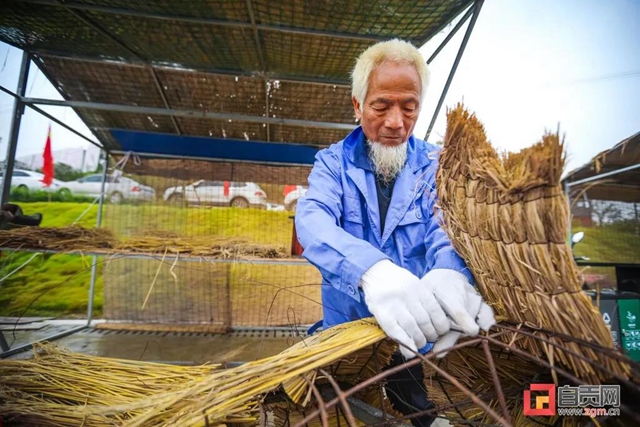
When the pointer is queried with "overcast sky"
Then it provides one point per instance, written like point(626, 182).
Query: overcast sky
point(529, 66)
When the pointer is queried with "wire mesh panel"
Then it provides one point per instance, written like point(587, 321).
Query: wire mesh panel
point(195, 205)
point(213, 9)
point(39, 27)
point(113, 83)
point(275, 295)
point(158, 291)
point(395, 18)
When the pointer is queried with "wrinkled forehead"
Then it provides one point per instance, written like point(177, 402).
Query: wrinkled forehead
point(394, 78)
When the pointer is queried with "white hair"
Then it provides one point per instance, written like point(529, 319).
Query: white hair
point(396, 50)
point(388, 160)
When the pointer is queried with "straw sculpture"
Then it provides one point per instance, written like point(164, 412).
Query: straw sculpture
point(101, 240)
point(469, 366)
point(59, 388)
point(507, 216)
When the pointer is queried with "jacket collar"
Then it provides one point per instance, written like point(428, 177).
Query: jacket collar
point(355, 148)
point(405, 190)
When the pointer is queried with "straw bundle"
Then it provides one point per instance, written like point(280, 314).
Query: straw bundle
point(59, 388)
point(46, 390)
point(73, 238)
point(507, 217)
point(101, 240)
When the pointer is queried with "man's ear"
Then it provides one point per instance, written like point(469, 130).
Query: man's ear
point(357, 108)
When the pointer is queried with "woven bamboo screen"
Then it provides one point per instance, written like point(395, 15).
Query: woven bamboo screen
point(107, 51)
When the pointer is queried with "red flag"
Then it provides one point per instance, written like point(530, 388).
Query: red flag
point(47, 161)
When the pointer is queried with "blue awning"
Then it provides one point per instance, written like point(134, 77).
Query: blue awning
point(213, 148)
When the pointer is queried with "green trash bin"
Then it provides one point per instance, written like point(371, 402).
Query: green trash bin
point(621, 313)
point(629, 313)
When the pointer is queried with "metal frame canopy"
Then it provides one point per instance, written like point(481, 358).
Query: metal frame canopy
point(612, 175)
point(267, 71)
point(255, 81)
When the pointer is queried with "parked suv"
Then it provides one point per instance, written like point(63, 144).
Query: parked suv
point(291, 196)
point(218, 193)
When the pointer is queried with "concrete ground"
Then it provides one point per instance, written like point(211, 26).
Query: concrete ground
point(171, 347)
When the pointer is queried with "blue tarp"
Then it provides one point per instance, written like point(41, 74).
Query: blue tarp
point(213, 148)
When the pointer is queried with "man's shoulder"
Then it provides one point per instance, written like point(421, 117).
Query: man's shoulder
point(422, 145)
point(335, 152)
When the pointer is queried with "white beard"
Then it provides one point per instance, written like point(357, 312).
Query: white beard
point(387, 161)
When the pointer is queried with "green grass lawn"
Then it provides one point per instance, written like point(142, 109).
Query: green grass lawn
point(52, 285)
point(607, 244)
point(57, 285)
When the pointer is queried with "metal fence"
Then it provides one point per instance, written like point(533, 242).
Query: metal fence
point(242, 202)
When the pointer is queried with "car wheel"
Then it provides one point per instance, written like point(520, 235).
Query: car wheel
point(240, 202)
point(23, 187)
point(115, 198)
point(64, 193)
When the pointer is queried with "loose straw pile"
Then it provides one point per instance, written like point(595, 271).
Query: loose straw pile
point(63, 239)
point(507, 217)
point(101, 240)
point(59, 388)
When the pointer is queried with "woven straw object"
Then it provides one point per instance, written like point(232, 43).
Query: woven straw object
point(507, 216)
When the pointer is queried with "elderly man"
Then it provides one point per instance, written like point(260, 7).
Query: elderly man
point(369, 224)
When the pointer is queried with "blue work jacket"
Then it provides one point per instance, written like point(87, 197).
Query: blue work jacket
point(338, 223)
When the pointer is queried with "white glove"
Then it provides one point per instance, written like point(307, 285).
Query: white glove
point(461, 302)
point(405, 310)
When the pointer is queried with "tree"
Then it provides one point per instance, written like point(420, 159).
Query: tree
point(64, 172)
point(606, 211)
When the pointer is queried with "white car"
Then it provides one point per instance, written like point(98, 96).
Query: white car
point(291, 198)
point(218, 193)
point(30, 180)
point(117, 189)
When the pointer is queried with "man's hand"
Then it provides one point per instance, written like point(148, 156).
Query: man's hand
point(405, 309)
point(461, 302)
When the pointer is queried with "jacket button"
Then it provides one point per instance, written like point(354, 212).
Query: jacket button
point(351, 290)
point(418, 214)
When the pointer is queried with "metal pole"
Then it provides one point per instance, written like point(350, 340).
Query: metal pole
point(50, 338)
point(3, 343)
point(49, 116)
point(18, 111)
point(476, 11)
point(451, 34)
point(94, 265)
point(635, 211)
point(566, 192)
point(200, 114)
point(604, 175)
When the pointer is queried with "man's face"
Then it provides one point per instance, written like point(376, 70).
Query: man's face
point(392, 105)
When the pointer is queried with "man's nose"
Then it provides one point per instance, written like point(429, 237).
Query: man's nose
point(394, 119)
